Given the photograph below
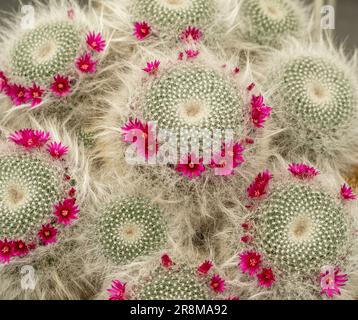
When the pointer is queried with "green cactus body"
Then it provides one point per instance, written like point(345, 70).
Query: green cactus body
point(174, 15)
point(174, 285)
point(131, 228)
point(29, 187)
point(301, 229)
point(45, 51)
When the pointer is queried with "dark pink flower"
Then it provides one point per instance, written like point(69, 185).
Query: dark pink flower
point(117, 291)
point(247, 238)
point(167, 262)
point(180, 56)
point(251, 86)
point(347, 193)
point(217, 283)
point(72, 192)
point(259, 111)
point(191, 166)
point(247, 225)
point(266, 277)
point(20, 248)
point(95, 41)
point(66, 211)
point(57, 150)
point(236, 70)
point(332, 280)
point(85, 64)
point(30, 138)
point(250, 262)
point(205, 267)
point(259, 187)
point(141, 30)
point(61, 86)
point(191, 34)
point(191, 54)
point(302, 171)
point(4, 81)
point(6, 251)
point(48, 234)
point(17, 93)
point(34, 94)
point(152, 67)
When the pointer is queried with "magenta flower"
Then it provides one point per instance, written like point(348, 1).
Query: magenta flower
point(302, 171)
point(167, 262)
point(141, 30)
point(48, 234)
point(250, 262)
point(17, 93)
point(6, 251)
point(34, 94)
point(205, 267)
point(191, 54)
point(152, 67)
point(266, 277)
point(191, 166)
point(191, 34)
point(259, 111)
point(20, 248)
point(61, 86)
point(332, 280)
point(347, 193)
point(85, 63)
point(217, 283)
point(117, 291)
point(57, 150)
point(30, 138)
point(259, 187)
point(4, 82)
point(95, 41)
point(66, 211)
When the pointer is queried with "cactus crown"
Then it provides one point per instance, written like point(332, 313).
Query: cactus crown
point(130, 228)
point(45, 51)
point(301, 228)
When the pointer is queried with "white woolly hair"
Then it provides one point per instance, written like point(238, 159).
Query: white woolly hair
point(239, 40)
point(121, 19)
point(196, 205)
point(60, 267)
point(77, 109)
point(287, 286)
point(336, 150)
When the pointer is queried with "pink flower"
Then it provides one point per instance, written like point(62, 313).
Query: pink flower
point(247, 238)
point(347, 193)
point(228, 159)
point(251, 86)
point(72, 192)
point(332, 280)
point(259, 187)
point(6, 251)
point(236, 70)
point(217, 283)
point(191, 34)
point(95, 41)
point(205, 267)
point(20, 248)
point(152, 67)
point(57, 150)
point(70, 13)
point(48, 234)
point(141, 30)
point(266, 277)
point(302, 171)
point(167, 262)
point(85, 64)
point(30, 138)
point(259, 111)
point(191, 166)
point(66, 211)
point(117, 290)
point(250, 262)
point(61, 86)
point(4, 81)
point(191, 54)
point(17, 93)
point(34, 94)
point(180, 56)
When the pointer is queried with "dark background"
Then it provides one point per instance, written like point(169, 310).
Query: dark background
point(346, 18)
